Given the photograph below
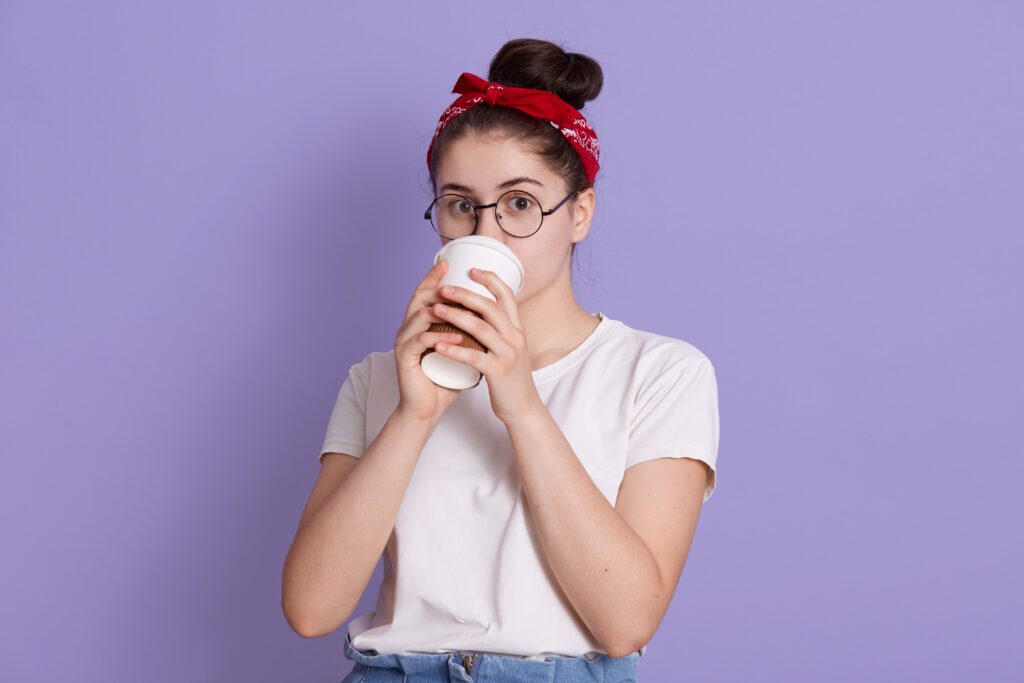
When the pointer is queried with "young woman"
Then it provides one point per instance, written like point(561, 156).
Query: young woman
point(534, 527)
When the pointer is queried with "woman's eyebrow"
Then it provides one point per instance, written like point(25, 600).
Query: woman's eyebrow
point(455, 187)
point(518, 181)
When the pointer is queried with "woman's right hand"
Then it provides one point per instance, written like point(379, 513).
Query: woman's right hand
point(420, 398)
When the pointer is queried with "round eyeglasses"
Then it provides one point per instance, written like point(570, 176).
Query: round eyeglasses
point(518, 213)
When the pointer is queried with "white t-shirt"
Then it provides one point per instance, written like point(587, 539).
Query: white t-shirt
point(464, 568)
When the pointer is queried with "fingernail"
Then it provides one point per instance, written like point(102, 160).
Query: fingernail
point(441, 308)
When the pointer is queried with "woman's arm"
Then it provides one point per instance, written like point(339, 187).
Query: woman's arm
point(618, 566)
point(335, 551)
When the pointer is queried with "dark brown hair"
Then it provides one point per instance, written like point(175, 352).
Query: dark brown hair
point(540, 65)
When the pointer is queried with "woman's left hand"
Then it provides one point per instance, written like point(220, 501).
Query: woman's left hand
point(506, 365)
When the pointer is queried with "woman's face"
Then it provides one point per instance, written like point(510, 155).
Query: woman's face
point(482, 168)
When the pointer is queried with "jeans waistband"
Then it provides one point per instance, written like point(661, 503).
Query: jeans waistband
point(605, 668)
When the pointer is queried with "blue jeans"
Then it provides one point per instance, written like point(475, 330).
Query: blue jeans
point(485, 668)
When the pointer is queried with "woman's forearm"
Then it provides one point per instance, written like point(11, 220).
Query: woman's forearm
point(606, 570)
point(333, 556)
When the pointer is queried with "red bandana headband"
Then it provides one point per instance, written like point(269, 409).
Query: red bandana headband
point(538, 103)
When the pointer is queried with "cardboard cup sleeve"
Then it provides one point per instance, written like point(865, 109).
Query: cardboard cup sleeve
point(468, 340)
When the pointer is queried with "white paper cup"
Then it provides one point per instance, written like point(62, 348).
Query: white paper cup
point(483, 253)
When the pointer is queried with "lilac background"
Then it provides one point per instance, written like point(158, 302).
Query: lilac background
point(825, 198)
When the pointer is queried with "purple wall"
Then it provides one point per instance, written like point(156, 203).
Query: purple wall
point(826, 200)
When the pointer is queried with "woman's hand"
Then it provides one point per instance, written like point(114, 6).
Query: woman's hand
point(506, 365)
point(419, 398)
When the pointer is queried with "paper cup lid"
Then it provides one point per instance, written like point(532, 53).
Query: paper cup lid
point(486, 242)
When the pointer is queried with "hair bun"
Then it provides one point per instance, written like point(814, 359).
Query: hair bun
point(541, 65)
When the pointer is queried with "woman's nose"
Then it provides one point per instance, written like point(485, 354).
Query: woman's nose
point(487, 225)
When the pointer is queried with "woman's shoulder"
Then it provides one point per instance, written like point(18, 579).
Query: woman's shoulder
point(374, 364)
point(650, 346)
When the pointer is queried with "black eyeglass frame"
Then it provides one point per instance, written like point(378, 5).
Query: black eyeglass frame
point(476, 209)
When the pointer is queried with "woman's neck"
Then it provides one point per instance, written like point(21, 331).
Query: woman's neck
point(555, 324)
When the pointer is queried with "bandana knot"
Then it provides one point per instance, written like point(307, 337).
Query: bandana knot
point(492, 93)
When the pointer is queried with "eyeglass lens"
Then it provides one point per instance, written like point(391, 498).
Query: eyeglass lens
point(518, 213)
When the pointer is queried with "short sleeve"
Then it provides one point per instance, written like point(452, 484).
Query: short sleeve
point(346, 430)
point(676, 416)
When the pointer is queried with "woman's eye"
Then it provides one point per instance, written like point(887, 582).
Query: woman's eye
point(461, 207)
point(521, 203)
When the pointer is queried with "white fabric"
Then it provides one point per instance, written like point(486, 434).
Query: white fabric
point(464, 568)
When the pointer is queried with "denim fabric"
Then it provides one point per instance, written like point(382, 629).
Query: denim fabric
point(448, 668)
